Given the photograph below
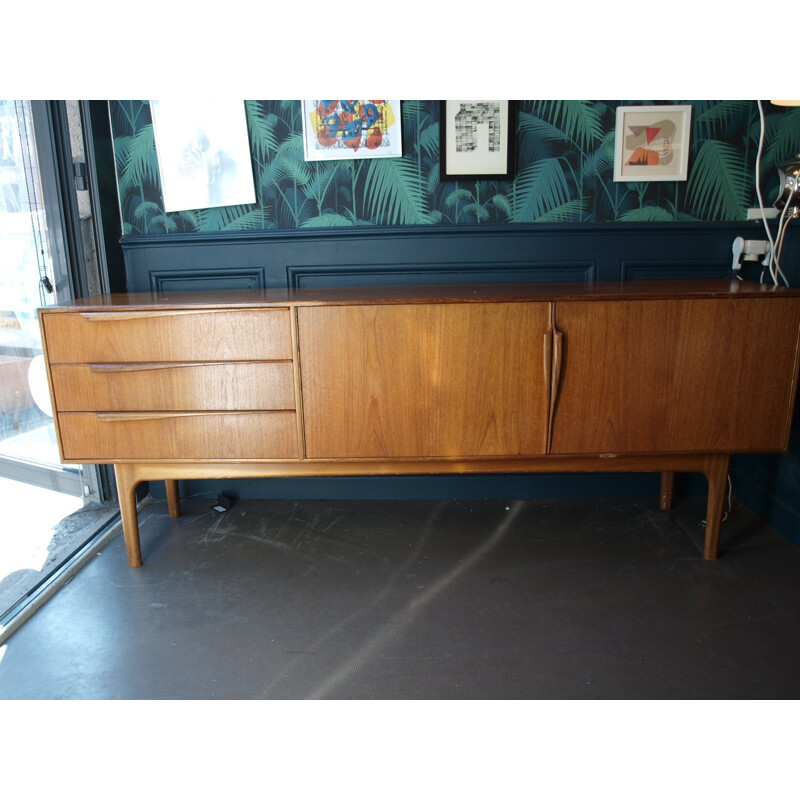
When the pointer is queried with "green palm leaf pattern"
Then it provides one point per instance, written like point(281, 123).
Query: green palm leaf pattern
point(222, 217)
point(257, 219)
point(540, 188)
point(263, 130)
point(566, 212)
point(152, 219)
point(784, 141)
point(564, 171)
point(719, 182)
point(716, 118)
point(601, 161)
point(648, 214)
point(458, 196)
point(394, 192)
point(328, 221)
point(430, 141)
point(579, 120)
point(139, 162)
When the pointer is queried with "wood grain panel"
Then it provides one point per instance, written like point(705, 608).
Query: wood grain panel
point(242, 386)
point(203, 436)
point(192, 335)
point(712, 375)
point(424, 380)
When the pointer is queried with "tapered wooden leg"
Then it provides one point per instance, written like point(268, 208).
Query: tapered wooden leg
point(173, 498)
point(716, 471)
point(126, 489)
point(667, 481)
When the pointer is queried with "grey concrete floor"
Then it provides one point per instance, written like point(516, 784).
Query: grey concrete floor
point(358, 599)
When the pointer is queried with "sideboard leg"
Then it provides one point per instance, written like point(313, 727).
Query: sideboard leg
point(667, 481)
point(173, 498)
point(126, 489)
point(716, 472)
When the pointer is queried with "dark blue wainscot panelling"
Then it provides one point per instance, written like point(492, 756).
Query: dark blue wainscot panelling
point(430, 254)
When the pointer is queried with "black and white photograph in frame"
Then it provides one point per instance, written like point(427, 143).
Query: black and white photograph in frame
point(477, 139)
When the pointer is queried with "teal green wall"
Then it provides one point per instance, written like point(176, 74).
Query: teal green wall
point(565, 159)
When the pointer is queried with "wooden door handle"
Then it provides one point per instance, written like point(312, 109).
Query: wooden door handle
point(557, 354)
point(548, 364)
point(555, 378)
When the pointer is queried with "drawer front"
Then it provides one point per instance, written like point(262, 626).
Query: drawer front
point(90, 438)
point(207, 335)
point(243, 386)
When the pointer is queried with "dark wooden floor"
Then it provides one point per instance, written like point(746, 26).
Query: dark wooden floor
point(578, 599)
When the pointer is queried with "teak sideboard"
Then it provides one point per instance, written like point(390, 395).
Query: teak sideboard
point(625, 377)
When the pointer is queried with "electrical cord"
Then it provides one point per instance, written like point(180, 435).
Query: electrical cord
point(772, 263)
point(758, 179)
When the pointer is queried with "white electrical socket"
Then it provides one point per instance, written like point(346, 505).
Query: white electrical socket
point(755, 213)
point(753, 248)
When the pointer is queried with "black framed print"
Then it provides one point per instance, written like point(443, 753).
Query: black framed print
point(477, 140)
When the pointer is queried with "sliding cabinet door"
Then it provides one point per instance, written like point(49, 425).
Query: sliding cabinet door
point(417, 381)
point(712, 375)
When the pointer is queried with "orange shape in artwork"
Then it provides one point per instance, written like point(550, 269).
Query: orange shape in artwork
point(374, 139)
point(642, 157)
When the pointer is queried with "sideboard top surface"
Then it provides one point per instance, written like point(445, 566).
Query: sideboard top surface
point(458, 293)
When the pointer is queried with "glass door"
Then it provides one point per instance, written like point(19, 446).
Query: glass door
point(36, 491)
point(28, 449)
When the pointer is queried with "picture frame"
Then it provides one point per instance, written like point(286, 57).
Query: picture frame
point(203, 153)
point(477, 140)
point(334, 130)
point(652, 143)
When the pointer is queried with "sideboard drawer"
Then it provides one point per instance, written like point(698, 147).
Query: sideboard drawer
point(254, 435)
point(237, 386)
point(189, 335)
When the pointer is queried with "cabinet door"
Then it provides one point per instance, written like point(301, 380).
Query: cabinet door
point(712, 375)
point(393, 381)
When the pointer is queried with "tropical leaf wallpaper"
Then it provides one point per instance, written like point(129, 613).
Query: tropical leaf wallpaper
point(564, 172)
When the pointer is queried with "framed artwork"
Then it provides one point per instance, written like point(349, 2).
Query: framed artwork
point(203, 153)
point(652, 143)
point(337, 129)
point(477, 140)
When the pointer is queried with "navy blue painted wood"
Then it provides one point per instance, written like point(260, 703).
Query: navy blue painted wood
point(429, 254)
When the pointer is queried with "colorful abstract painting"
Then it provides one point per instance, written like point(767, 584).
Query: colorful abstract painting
point(337, 129)
point(652, 143)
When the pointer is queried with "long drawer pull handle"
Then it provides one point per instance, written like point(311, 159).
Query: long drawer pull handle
point(112, 368)
point(116, 316)
point(122, 416)
point(127, 416)
point(134, 417)
point(146, 367)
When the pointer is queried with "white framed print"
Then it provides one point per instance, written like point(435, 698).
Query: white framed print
point(346, 129)
point(203, 153)
point(652, 143)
